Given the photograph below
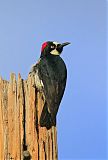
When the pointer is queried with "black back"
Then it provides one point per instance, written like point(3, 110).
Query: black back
point(53, 73)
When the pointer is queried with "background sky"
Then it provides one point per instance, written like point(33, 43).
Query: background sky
point(25, 25)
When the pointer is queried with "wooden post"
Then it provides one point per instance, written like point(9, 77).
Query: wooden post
point(21, 137)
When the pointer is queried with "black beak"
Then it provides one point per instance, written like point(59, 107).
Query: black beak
point(60, 46)
point(65, 44)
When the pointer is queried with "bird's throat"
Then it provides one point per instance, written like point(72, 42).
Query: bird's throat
point(55, 52)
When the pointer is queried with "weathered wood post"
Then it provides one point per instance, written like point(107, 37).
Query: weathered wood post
point(21, 137)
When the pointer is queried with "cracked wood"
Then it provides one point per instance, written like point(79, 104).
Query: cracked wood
point(21, 136)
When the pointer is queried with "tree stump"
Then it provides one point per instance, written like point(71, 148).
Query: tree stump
point(21, 137)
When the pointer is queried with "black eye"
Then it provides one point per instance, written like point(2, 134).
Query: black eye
point(59, 48)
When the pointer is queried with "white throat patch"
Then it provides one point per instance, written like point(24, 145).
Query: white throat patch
point(55, 52)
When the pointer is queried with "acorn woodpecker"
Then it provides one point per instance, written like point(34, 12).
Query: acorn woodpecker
point(50, 77)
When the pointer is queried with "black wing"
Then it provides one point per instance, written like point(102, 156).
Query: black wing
point(53, 74)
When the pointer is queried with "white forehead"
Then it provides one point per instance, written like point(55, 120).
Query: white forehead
point(56, 43)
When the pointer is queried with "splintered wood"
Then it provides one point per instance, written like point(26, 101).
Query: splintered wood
point(21, 136)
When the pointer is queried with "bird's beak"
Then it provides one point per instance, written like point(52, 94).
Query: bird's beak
point(65, 44)
point(60, 47)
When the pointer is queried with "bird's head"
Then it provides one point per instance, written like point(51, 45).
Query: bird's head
point(53, 48)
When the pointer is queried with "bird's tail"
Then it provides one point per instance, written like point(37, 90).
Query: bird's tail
point(46, 119)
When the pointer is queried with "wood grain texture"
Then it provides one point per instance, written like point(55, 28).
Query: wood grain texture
point(21, 136)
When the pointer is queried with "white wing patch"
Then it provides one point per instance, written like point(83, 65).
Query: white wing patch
point(38, 81)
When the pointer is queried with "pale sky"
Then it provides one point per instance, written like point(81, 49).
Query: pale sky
point(25, 25)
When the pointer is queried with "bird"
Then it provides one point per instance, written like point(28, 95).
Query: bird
point(50, 74)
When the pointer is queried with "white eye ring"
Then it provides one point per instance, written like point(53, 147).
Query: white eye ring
point(52, 46)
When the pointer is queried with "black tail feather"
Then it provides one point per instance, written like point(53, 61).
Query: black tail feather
point(46, 119)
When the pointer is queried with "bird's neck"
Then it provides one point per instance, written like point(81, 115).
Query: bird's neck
point(49, 56)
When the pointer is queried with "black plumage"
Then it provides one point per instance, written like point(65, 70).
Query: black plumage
point(52, 71)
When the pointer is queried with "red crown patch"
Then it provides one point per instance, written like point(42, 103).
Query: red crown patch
point(44, 46)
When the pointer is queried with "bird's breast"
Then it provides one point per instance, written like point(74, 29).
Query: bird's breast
point(56, 68)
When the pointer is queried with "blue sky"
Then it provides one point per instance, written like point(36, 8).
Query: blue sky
point(25, 25)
